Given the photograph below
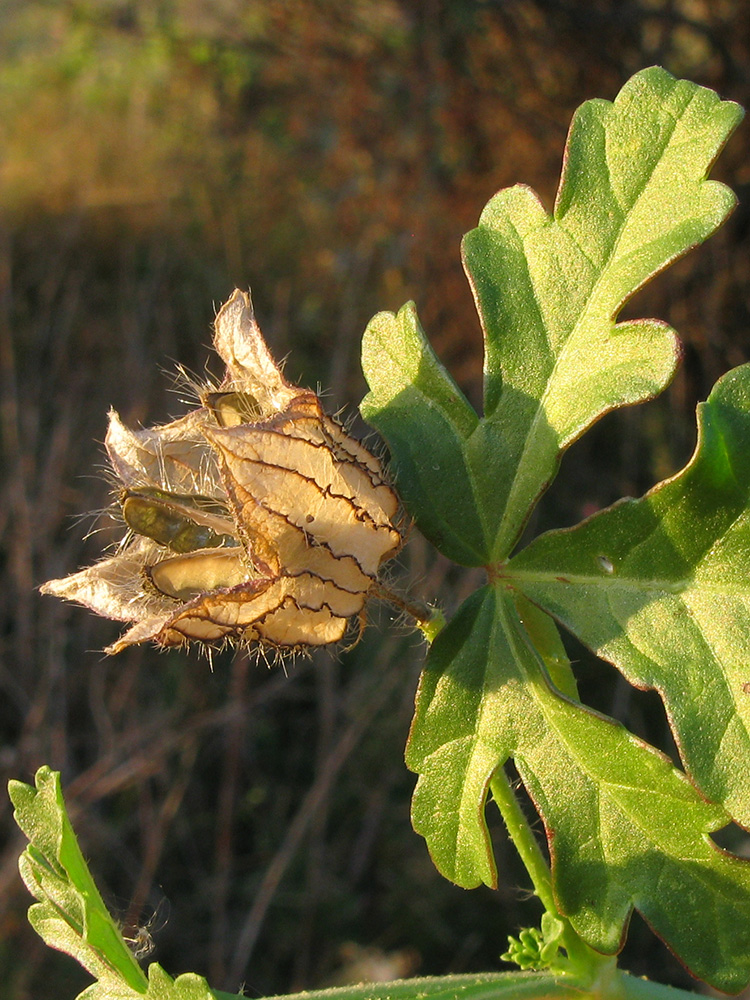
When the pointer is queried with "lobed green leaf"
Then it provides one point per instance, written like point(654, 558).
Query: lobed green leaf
point(632, 198)
point(626, 829)
point(661, 587)
point(70, 914)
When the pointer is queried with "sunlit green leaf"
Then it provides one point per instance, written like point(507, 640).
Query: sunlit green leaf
point(626, 829)
point(632, 198)
point(661, 587)
point(70, 914)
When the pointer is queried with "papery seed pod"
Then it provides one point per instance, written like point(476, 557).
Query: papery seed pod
point(255, 517)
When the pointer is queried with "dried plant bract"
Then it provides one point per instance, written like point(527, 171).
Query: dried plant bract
point(255, 517)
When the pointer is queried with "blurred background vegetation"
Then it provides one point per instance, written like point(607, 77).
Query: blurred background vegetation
point(329, 154)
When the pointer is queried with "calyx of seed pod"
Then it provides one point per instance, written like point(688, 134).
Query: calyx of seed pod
point(253, 518)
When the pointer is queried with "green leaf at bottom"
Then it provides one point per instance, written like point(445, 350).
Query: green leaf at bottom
point(72, 918)
point(70, 915)
point(626, 829)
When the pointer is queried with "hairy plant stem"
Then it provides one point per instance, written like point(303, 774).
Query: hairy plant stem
point(602, 979)
point(523, 837)
point(583, 959)
point(428, 620)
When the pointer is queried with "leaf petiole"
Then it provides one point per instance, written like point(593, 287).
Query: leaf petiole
point(428, 620)
point(581, 958)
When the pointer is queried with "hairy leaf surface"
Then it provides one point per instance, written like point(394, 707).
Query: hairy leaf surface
point(661, 587)
point(632, 198)
point(626, 829)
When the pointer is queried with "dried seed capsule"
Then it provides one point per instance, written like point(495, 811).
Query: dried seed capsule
point(278, 519)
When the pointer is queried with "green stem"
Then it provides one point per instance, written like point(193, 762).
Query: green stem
point(429, 621)
point(583, 958)
point(524, 840)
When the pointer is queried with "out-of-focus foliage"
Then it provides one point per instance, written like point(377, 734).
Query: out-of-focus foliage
point(330, 154)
